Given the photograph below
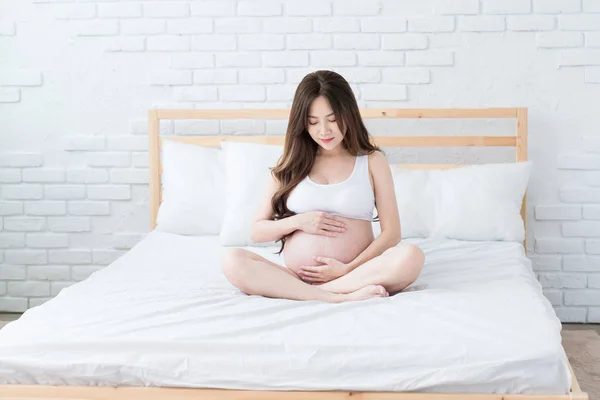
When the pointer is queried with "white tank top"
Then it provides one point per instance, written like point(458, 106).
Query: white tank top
point(352, 198)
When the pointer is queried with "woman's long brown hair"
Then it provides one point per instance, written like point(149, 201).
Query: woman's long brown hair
point(300, 149)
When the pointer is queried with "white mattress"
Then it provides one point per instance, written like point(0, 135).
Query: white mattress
point(164, 315)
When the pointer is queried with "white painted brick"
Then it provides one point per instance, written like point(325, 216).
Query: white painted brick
point(89, 208)
point(261, 42)
point(295, 75)
point(263, 75)
point(591, 212)
point(360, 75)
point(506, 6)
point(127, 143)
point(119, 10)
point(10, 175)
point(286, 25)
point(169, 77)
point(74, 11)
point(190, 26)
point(362, 41)
point(45, 208)
point(85, 143)
point(580, 195)
point(71, 256)
point(24, 224)
point(430, 58)
point(332, 59)
point(82, 272)
point(356, 7)
point(214, 42)
point(8, 28)
point(56, 287)
point(593, 315)
point(242, 93)
point(243, 126)
point(69, 224)
point(457, 7)
point(581, 263)
point(197, 127)
point(558, 245)
point(546, 262)
point(107, 159)
point(591, 143)
point(309, 42)
point(166, 10)
point(105, 257)
point(168, 43)
point(126, 44)
point(342, 24)
point(237, 25)
point(34, 289)
point(195, 94)
point(383, 92)
point(579, 161)
point(259, 8)
point(590, 178)
point(556, 6)
point(10, 208)
point(592, 75)
point(406, 75)
point(307, 8)
point(579, 22)
point(47, 240)
point(592, 246)
point(583, 298)
point(98, 28)
point(109, 192)
point(557, 212)
point(140, 160)
point(129, 176)
point(571, 314)
point(8, 304)
point(238, 59)
point(87, 175)
point(13, 272)
point(140, 127)
point(594, 281)
point(285, 59)
point(554, 297)
point(26, 257)
point(22, 192)
point(222, 76)
point(431, 24)
point(38, 301)
point(563, 281)
point(10, 95)
point(214, 8)
point(591, 6)
point(380, 59)
point(280, 92)
point(404, 42)
point(531, 22)
point(2, 288)
point(144, 27)
point(12, 240)
point(559, 39)
point(483, 23)
point(581, 229)
point(44, 175)
point(17, 160)
point(126, 241)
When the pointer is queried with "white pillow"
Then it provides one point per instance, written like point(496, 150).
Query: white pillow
point(416, 202)
point(247, 167)
point(193, 189)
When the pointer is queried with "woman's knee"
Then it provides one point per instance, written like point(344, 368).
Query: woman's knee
point(408, 260)
point(232, 263)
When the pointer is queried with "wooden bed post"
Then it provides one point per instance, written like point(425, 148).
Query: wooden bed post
point(154, 153)
point(522, 156)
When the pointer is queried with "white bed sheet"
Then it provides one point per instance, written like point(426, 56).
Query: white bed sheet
point(164, 315)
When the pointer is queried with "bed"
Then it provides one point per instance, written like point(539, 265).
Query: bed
point(163, 322)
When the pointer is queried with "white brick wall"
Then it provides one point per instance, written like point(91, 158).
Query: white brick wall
point(74, 161)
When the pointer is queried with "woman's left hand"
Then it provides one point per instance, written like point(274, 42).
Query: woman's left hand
point(330, 270)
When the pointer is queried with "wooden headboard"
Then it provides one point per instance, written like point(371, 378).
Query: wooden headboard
point(518, 140)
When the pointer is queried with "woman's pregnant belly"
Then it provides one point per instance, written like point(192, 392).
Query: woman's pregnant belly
point(301, 247)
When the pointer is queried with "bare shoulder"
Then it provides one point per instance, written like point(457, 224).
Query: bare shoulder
point(377, 162)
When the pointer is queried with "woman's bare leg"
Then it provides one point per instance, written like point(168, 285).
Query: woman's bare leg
point(394, 269)
point(255, 275)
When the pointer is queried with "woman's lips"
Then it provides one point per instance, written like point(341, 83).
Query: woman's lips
point(326, 140)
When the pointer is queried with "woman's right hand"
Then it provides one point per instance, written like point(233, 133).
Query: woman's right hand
point(320, 223)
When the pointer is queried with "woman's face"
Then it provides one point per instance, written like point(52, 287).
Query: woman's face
point(323, 126)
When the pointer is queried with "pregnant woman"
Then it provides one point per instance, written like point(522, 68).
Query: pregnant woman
point(320, 202)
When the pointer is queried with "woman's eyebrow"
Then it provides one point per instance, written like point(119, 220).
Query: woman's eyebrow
point(312, 116)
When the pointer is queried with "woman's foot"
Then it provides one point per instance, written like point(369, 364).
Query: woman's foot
point(365, 293)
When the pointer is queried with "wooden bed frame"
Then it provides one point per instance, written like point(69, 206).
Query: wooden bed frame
point(154, 116)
